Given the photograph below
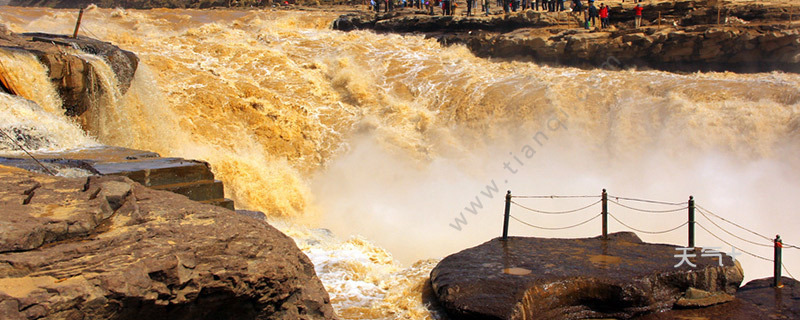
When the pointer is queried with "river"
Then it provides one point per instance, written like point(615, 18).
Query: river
point(381, 153)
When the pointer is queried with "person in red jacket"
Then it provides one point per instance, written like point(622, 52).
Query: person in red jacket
point(638, 18)
point(603, 16)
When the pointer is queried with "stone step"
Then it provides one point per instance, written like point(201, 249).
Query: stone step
point(191, 178)
point(153, 172)
point(196, 190)
point(223, 202)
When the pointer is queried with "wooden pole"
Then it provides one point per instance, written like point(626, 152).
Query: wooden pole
point(507, 214)
point(659, 20)
point(719, 13)
point(604, 198)
point(78, 24)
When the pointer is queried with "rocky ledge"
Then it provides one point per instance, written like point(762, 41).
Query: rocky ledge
point(676, 35)
point(109, 248)
point(73, 75)
point(697, 48)
point(537, 278)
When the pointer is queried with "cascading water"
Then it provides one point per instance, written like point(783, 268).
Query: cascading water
point(32, 117)
point(390, 137)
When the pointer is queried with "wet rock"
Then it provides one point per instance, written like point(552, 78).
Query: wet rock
point(536, 278)
point(75, 77)
point(107, 247)
point(756, 300)
point(696, 298)
point(779, 303)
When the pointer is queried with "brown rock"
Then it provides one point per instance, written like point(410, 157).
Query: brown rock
point(696, 298)
point(756, 300)
point(110, 248)
point(536, 278)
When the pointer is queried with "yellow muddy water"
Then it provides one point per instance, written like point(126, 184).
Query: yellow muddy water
point(389, 140)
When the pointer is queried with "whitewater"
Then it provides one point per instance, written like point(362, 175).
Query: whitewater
point(382, 153)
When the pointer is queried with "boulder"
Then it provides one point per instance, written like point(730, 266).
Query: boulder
point(538, 278)
point(110, 248)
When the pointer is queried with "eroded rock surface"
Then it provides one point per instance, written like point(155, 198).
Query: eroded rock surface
point(109, 248)
point(537, 278)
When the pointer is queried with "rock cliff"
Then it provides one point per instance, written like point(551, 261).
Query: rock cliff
point(109, 248)
point(676, 36)
point(698, 48)
point(73, 75)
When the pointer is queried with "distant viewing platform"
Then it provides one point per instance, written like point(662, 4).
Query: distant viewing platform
point(741, 36)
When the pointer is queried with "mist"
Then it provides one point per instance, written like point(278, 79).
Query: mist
point(410, 207)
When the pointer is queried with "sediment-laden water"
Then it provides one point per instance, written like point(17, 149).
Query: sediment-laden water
point(403, 148)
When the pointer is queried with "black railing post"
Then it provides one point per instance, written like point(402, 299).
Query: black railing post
point(776, 277)
point(507, 213)
point(605, 214)
point(691, 222)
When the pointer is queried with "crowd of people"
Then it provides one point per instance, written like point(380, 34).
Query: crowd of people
point(590, 12)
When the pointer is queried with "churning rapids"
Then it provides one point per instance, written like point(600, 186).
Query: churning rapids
point(394, 143)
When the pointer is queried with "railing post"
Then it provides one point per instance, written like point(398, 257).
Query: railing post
point(78, 24)
point(507, 213)
point(605, 214)
point(691, 222)
point(776, 277)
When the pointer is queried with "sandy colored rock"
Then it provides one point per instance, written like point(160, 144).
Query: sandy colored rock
point(108, 248)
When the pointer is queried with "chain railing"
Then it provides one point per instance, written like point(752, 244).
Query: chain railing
point(666, 208)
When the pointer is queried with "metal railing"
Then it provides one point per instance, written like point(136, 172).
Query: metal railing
point(668, 208)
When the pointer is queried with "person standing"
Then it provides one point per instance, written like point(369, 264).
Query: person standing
point(593, 13)
point(577, 6)
point(638, 16)
point(603, 16)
